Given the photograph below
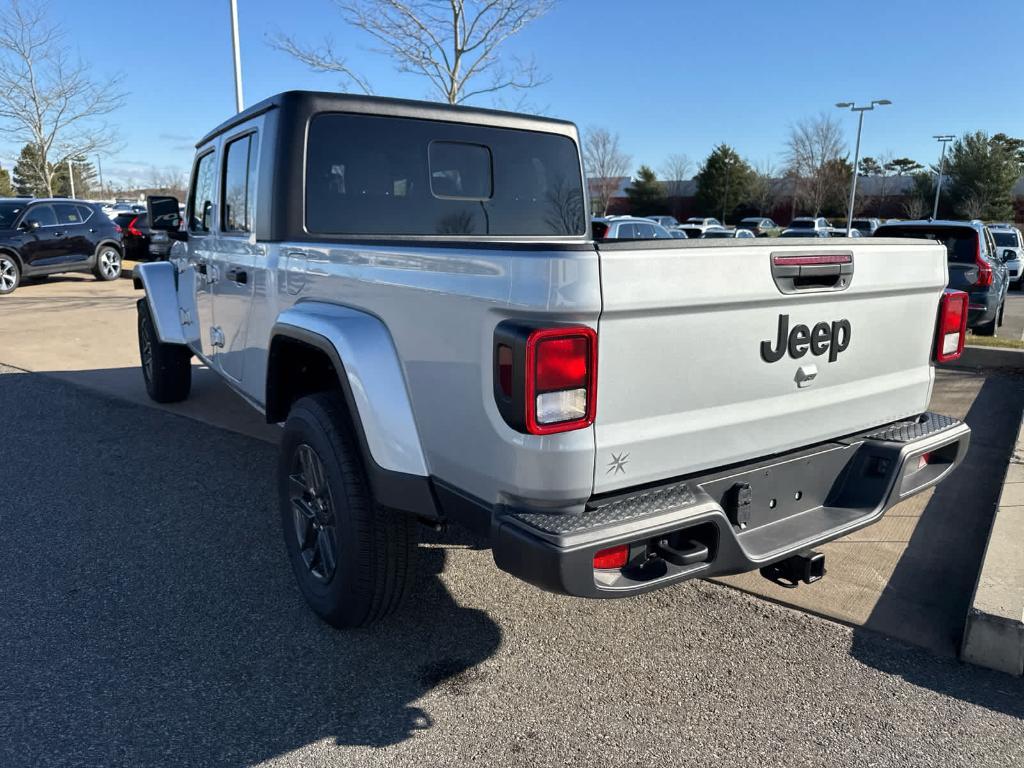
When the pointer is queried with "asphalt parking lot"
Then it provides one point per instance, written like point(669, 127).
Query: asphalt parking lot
point(151, 618)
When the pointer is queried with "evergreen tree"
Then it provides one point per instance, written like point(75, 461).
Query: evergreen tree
point(29, 177)
point(982, 171)
point(725, 181)
point(645, 193)
point(903, 166)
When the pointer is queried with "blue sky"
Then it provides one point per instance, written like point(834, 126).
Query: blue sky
point(667, 75)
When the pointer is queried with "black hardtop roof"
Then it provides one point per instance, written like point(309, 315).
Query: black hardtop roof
point(310, 102)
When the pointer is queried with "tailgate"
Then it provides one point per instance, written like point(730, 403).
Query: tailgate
point(691, 375)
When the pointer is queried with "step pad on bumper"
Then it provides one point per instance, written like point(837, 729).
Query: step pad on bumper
point(914, 429)
point(636, 506)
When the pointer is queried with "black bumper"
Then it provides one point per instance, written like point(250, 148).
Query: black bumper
point(745, 517)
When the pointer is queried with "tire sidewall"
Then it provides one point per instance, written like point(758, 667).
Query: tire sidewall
point(99, 266)
point(17, 274)
point(307, 425)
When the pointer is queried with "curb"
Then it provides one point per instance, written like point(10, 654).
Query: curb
point(994, 635)
point(989, 357)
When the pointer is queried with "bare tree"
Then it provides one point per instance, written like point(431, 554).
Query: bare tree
point(812, 149)
point(47, 99)
point(605, 164)
point(454, 44)
point(764, 188)
point(674, 171)
point(914, 207)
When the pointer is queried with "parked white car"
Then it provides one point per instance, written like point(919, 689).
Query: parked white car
point(1008, 238)
point(811, 222)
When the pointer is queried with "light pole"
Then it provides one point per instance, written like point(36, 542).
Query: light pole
point(99, 167)
point(856, 154)
point(944, 139)
point(238, 56)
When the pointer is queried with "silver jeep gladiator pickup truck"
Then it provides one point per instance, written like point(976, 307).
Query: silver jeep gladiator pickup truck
point(414, 292)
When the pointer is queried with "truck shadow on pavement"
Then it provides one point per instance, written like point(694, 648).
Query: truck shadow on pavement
point(926, 599)
point(149, 612)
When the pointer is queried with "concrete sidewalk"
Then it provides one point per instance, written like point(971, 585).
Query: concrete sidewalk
point(994, 636)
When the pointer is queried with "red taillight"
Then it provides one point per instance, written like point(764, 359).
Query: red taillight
point(952, 327)
point(561, 379)
point(984, 270)
point(611, 558)
point(132, 229)
point(924, 460)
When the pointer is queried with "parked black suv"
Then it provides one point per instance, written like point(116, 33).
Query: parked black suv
point(975, 264)
point(139, 241)
point(46, 237)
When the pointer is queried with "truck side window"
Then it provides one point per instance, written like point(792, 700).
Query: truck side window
point(200, 201)
point(239, 188)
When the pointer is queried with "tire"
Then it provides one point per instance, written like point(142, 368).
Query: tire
point(987, 329)
point(166, 368)
point(108, 263)
point(10, 274)
point(354, 561)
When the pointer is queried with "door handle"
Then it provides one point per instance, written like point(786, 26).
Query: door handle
point(58, 234)
point(238, 276)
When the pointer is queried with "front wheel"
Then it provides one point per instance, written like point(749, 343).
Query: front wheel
point(108, 263)
point(10, 274)
point(354, 561)
point(166, 368)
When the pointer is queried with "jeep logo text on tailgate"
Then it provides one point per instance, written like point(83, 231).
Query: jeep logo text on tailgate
point(834, 338)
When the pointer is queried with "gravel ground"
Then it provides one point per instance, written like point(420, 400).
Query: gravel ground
point(148, 617)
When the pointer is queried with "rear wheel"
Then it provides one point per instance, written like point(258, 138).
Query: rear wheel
point(10, 274)
point(166, 368)
point(108, 263)
point(354, 561)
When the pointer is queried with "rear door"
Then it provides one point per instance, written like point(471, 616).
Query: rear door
point(710, 354)
point(236, 255)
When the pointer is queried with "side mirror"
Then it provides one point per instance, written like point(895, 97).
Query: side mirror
point(30, 225)
point(1009, 255)
point(164, 213)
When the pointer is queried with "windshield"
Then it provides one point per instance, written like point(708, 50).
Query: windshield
point(1005, 239)
point(961, 242)
point(861, 224)
point(9, 214)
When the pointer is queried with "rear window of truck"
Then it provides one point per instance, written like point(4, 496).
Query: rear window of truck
point(961, 242)
point(370, 175)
